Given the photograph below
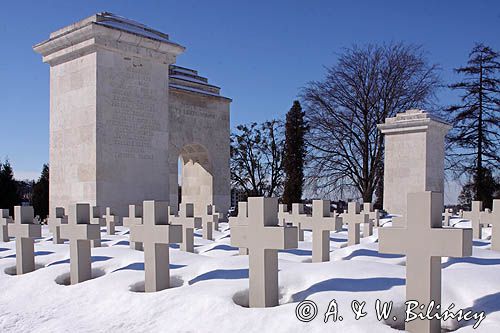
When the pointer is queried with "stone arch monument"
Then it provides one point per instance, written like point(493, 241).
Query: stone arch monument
point(121, 115)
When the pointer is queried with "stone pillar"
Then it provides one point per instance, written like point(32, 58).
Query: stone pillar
point(414, 157)
point(109, 106)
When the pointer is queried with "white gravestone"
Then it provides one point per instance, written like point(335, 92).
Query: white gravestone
point(111, 220)
point(353, 218)
point(96, 218)
point(134, 218)
point(156, 234)
point(321, 223)
point(373, 214)
point(55, 220)
point(188, 222)
point(208, 220)
point(448, 213)
point(413, 156)
point(263, 237)
point(424, 241)
point(24, 230)
point(5, 219)
point(240, 220)
point(493, 218)
point(475, 218)
point(80, 232)
point(296, 218)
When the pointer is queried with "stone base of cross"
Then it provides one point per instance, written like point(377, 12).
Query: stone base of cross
point(423, 263)
point(263, 237)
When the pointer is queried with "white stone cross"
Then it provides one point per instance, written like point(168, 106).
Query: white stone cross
point(448, 213)
point(241, 220)
point(493, 218)
point(156, 234)
point(55, 220)
point(134, 218)
point(424, 241)
point(188, 222)
point(211, 210)
point(208, 220)
point(24, 230)
point(353, 218)
point(297, 217)
point(263, 237)
point(5, 220)
point(80, 232)
point(374, 215)
point(283, 214)
point(96, 218)
point(321, 223)
point(475, 218)
point(111, 220)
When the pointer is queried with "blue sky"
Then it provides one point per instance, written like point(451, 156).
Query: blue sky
point(259, 52)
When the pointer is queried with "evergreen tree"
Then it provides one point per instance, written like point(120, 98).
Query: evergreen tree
point(40, 198)
point(294, 154)
point(9, 196)
point(475, 138)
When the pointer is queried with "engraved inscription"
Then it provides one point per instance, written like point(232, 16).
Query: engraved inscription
point(134, 102)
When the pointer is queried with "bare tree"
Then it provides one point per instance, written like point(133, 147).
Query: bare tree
point(366, 85)
point(257, 158)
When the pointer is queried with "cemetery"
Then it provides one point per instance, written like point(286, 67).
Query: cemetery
point(121, 250)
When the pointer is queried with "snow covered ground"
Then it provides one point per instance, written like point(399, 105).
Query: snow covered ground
point(210, 287)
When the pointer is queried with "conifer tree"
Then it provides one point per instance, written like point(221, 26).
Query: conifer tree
point(9, 196)
point(475, 138)
point(40, 198)
point(294, 155)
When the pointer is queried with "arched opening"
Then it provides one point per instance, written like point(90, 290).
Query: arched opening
point(195, 177)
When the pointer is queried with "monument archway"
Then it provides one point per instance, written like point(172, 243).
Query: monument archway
point(196, 176)
point(121, 114)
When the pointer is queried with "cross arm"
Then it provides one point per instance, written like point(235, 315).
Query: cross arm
point(80, 231)
point(280, 238)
